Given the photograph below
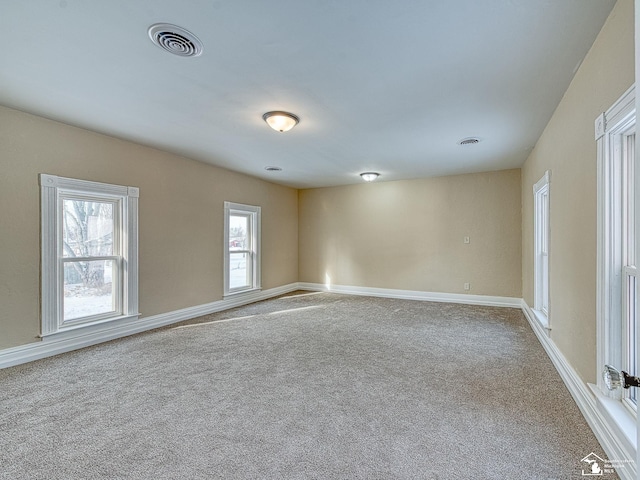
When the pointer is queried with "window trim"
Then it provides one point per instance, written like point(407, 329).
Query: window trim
point(254, 213)
point(542, 238)
point(610, 127)
point(52, 190)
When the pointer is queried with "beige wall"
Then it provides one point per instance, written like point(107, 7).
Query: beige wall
point(567, 148)
point(409, 234)
point(400, 235)
point(181, 218)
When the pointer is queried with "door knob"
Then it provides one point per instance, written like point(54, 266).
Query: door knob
point(614, 379)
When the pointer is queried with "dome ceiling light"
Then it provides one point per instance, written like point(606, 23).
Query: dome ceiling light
point(280, 121)
point(369, 176)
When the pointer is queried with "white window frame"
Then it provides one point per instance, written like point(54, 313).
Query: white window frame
point(53, 190)
point(616, 244)
point(541, 231)
point(253, 250)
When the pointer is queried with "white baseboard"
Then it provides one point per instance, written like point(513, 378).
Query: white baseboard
point(50, 346)
point(617, 446)
point(415, 295)
point(93, 335)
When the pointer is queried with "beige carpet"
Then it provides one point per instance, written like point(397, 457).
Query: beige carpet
point(305, 386)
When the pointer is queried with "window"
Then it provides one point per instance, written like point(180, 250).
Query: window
point(541, 248)
point(241, 248)
point(615, 135)
point(89, 253)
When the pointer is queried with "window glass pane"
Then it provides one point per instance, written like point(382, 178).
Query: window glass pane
point(87, 228)
point(239, 232)
point(88, 288)
point(240, 270)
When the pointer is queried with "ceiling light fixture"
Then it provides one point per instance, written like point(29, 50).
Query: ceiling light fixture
point(280, 121)
point(369, 176)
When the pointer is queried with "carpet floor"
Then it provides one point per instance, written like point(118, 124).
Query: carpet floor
point(303, 386)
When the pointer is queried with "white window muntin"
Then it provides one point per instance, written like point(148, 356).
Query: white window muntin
point(251, 249)
point(54, 190)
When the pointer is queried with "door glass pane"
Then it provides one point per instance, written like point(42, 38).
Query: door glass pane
point(545, 222)
point(630, 320)
point(628, 203)
point(239, 270)
point(88, 288)
point(87, 228)
point(544, 284)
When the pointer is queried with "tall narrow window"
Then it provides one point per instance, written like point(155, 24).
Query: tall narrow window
point(541, 248)
point(242, 248)
point(89, 253)
point(617, 289)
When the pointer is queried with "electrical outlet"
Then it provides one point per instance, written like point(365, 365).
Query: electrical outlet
point(467, 240)
point(467, 286)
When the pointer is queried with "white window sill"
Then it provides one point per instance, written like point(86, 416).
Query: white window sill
point(89, 328)
point(619, 419)
point(240, 293)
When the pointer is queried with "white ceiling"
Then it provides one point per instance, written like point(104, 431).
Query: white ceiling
point(388, 86)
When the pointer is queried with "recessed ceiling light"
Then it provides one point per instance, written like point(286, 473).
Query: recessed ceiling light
point(469, 141)
point(273, 169)
point(369, 176)
point(280, 121)
point(175, 40)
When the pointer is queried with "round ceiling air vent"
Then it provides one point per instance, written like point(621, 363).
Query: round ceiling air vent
point(469, 141)
point(175, 40)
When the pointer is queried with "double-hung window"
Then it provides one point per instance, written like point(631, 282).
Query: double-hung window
point(617, 291)
point(241, 248)
point(89, 253)
point(541, 248)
